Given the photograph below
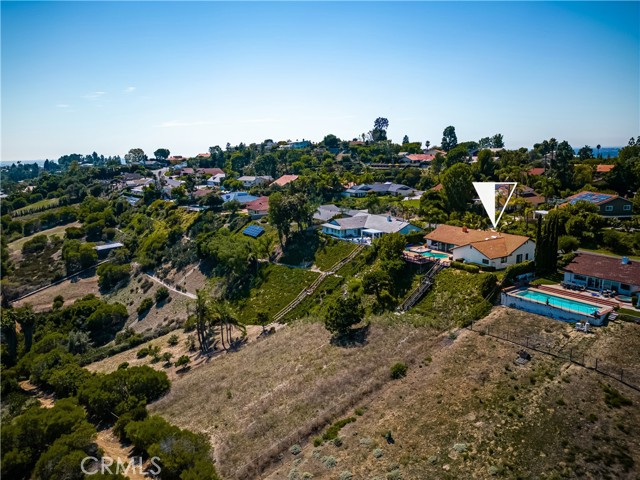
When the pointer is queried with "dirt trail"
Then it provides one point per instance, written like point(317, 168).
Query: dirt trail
point(46, 401)
point(112, 448)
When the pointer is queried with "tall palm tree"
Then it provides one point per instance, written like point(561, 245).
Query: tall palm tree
point(202, 316)
point(226, 320)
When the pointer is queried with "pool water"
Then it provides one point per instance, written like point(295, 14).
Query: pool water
point(434, 255)
point(566, 303)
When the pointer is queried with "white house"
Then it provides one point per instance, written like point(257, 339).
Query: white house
point(252, 181)
point(366, 225)
point(216, 180)
point(482, 247)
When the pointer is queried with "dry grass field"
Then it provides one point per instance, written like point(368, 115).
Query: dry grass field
point(172, 312)
point(257, 402)
point(464, 410)
point(71, 290)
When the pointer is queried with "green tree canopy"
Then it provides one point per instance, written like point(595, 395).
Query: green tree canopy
point(458, 187)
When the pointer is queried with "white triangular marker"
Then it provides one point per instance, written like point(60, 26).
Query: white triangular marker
point(487, 193)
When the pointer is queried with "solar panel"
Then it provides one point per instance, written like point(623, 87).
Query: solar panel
point(590, 197)
point(253, 231)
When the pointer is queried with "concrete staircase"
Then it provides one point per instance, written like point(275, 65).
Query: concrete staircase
point(421, 290)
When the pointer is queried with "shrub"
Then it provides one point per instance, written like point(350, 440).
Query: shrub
point(36, 244)
point(295, 449)
point(613, 398)
point(58, 302)
point(143, 352)
point(111, 274)
point(161, 294)
point(465, 267)
point(183, 361)
point(144, 307)
point(333, 430)
point(517, 269)
point(398, 370)
point(118, 392)
point(378, 453)
point(74, 233)
point(345, 475)
point(173, 340)
point(329, 461)
point(568, 243)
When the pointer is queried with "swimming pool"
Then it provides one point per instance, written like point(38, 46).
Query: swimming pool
point(434, 255)
point(561, 302)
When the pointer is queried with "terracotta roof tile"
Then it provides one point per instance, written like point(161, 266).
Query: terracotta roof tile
point(605, 267)
point(491, 244)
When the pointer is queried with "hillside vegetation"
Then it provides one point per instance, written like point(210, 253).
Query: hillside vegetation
point(463, 410)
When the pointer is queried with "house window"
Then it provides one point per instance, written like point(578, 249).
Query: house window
point(526, 256)
point(503, 260)
point(518, 258)
point(580, 278)
point(626, 208)
point(625, 287)
point(608, 208)
point(485, 261)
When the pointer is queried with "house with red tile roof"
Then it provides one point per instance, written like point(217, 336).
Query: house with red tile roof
point(258, 208)
point(285, 179)
point(418, 159)
point(536, 171)
point(602, 168)
point(604, 272)
point(482, 247)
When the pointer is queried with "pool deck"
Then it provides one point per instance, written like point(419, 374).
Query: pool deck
point(586, 296)
point(414, 255)
point(605, 306)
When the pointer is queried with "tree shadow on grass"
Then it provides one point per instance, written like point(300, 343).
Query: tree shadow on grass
point(357, 337)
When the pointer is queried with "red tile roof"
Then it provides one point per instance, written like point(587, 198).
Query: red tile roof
point(605, 267)
point(438, 187)
point(420, 157)
point(491, 244)
point(284, 179)
point(536, 171)
point(604, 168)
point(259, 205)
point(210, 171)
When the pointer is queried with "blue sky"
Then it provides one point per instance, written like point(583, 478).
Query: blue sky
point(85, 76)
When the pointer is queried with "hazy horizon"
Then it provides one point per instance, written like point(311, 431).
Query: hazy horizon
point(107, 77)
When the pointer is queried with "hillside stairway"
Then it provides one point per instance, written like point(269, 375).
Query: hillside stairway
point(313, 287)
point(425, 285)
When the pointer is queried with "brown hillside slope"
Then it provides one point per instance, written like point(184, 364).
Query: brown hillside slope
point(465, 410)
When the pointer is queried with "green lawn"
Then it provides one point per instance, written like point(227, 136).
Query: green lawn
point(412, 203)
point(278, 286)
point(331, 253)
point(42, 204)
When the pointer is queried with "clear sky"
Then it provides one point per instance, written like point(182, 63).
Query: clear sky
point(85, 76)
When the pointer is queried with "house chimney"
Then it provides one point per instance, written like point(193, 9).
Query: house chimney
point(465, 229)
